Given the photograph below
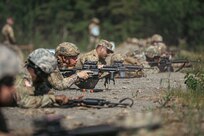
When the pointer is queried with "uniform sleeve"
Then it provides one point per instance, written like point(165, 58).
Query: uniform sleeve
point(88, 58)
point(25, 100)
point(58, 82)
point(132, 61)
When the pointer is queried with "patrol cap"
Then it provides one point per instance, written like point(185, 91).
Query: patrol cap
point(67, 49)
point(152, 52)
point(106, 44)
point(43, 59)
point(9, 62)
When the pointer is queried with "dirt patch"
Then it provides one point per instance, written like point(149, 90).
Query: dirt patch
point(145, 92)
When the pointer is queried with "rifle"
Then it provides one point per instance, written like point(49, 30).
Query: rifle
point(51, 126)
point(117, 68)
point(165, 64)
point(94, 102)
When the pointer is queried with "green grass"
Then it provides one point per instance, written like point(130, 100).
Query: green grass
point(184, 108)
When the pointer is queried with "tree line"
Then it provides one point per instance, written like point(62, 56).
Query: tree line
point(45, 23)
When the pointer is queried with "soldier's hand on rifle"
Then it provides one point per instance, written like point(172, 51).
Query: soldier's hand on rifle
point(61, 99)
point(100, 66)
point(84, 74)
point(80, 97)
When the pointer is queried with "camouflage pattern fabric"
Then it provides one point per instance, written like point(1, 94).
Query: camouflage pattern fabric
point(41, 94)
point(156, 38)
point(106, 44)
point(45, 60)
point(162, 48)
point(35, 96)
point(8, 34)
point(9, 66)
point(9, 62)
point(152, 52)
point(128, 61)
point(134, 61)
point(137, 58)
point(116, 57)
point(90, 56)
point(67, 49)
point(25, 97)
point(58, 82)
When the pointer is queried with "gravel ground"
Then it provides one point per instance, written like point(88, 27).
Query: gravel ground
point(142, 90)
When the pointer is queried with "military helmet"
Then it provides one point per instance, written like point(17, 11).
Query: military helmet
point(43, 59)
point(132, 40)
point(9, 62)
point(135, 41)
point(106, 44)
point(152, 52)
point(116, 58)
point(67, 49)
point(157, 38)
point(162, 48)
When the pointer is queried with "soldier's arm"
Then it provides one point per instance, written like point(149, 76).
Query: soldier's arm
point(132, 61)
point(59, 83)
point(25, 100)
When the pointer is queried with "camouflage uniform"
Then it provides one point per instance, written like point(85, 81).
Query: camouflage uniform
point(7, 68)
point(9, 39)
point(26, 97)
point(56, 79)
point(8, 34)
point(38, 95)
point(150, 53)
point(65, 49)
point(90, 83)
point(93, 56)
point(134, 57)
point(94, 32)
point(58, 82)
point(128, 60)
point(157, 40)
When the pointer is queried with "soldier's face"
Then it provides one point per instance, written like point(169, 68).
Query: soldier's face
point(104, 52)
point(7, 91)
point(73, 61)
point(10, 21)
point(6, 94)
point(32, 73)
